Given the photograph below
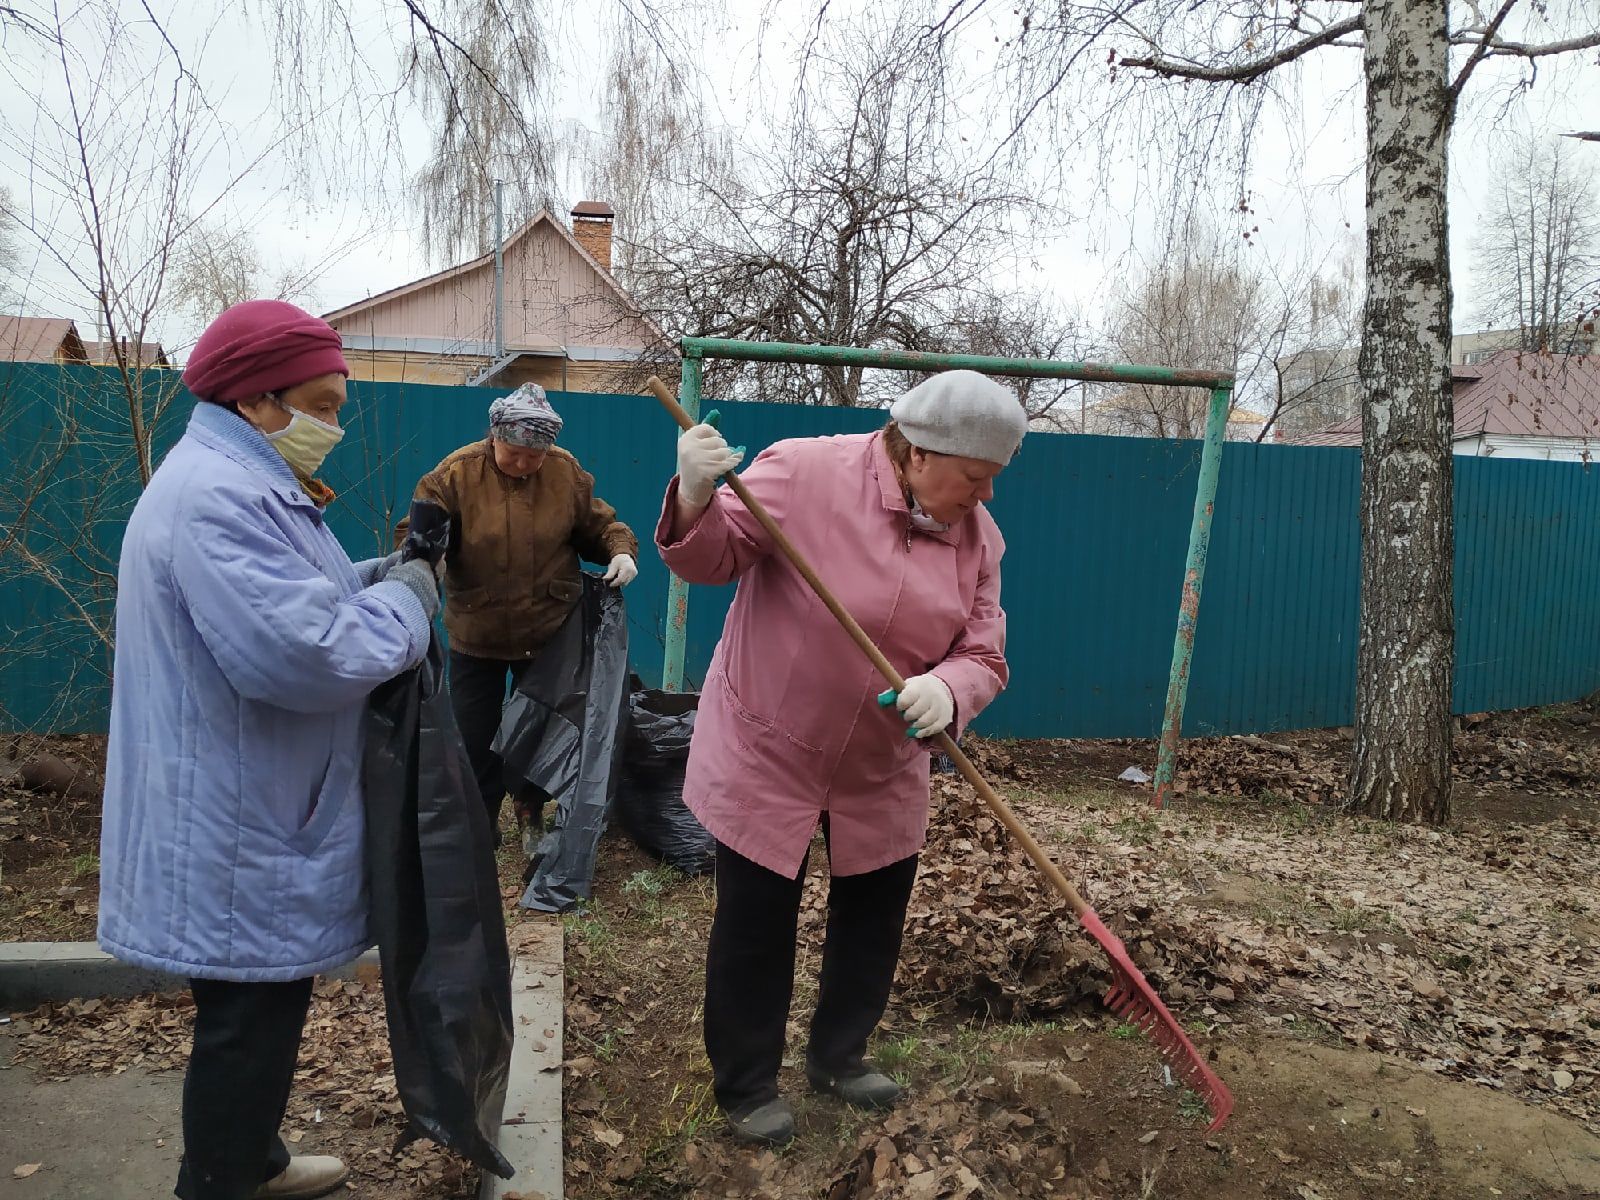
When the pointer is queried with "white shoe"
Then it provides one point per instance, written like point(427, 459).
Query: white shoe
point(305, 1178)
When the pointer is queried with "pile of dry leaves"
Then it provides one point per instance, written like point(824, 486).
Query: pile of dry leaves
point(1253, 767)
point(1526, 758)
point(982, 1139)
point(986, 935)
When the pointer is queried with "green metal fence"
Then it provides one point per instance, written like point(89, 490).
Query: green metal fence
point(1094, 528)
point(1220, 386)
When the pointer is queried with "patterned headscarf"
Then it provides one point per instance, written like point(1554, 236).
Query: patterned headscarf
point(525, 418)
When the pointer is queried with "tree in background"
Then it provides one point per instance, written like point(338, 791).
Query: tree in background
point(865, 221)
point(1537, 253)
point(486, 73)
point(10, 253)
point(217, 264)
point(1133, 66)
point(1287, 331)
point(483, 72)
point(1021, 325)
point(1196, 305)
point(1314, 351)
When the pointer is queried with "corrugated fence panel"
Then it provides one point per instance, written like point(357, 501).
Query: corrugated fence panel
point(1527, 583)
point(68, 479)
point(1096, 529)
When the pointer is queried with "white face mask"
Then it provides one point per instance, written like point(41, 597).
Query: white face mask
point(305, 441)
point(921, 520)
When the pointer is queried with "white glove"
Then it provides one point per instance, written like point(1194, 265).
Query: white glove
point(927, 705)
point(704, 457)
point(622, 571)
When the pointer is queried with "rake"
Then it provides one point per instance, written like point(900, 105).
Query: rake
point(1131, 997)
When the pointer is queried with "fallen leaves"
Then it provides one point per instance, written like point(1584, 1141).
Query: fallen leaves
point(345, 1078)
point(26, 1170)
point(987, 935)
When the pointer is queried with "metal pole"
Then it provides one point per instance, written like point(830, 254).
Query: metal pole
point(918, 360)
point(499, 271)
point(677, 589)
point(1205, 496)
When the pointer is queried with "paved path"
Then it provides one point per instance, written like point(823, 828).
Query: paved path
point(119, 1137)
point(113, 1137)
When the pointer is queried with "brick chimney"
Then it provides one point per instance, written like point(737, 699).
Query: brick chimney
point(591, 225)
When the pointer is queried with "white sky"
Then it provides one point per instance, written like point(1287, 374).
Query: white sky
point(1306, 185)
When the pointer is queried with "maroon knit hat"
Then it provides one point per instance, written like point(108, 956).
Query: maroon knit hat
point(261, 346)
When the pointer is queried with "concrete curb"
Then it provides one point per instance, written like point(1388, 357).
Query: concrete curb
point(530, 1126)
point(35, 973)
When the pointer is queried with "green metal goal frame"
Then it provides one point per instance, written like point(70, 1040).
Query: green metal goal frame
point(697, 350)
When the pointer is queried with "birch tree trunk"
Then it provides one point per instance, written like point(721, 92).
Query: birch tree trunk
point(1401, 768)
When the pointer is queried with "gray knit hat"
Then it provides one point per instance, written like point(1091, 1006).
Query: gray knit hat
point(962, 413)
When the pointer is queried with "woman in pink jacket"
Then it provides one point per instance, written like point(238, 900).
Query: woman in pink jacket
point(790, 730)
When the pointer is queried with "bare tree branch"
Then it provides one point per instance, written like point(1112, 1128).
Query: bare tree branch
point(1246, 72)
point(1484, 45)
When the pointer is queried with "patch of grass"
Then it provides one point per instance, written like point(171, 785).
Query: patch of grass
point(1126, 1033)
point(1288, 814)
point(1091, 833)
point(899, 1053)
point(1360, 919)
point(1138, 827)
point(606, 1048)
point(1192, 1106)
point(1459, 963)
point(690, 1109)
point(1313, 1031)
point(928, 1056)
point(593, 928)
point(1020, 1031)
point(650, 885)
point(1084, 798)
point(85, 864)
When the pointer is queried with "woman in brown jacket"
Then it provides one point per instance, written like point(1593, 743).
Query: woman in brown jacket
point(523, 512)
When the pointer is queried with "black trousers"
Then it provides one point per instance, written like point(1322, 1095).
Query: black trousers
point(477, 697)
point(750, 972)
point(246, 1042)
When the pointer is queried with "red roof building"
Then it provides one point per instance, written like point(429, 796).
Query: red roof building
point(1513, 404)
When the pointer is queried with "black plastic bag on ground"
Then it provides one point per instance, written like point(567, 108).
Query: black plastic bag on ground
point(437, 919)
point(650, 800)
point(561, 732)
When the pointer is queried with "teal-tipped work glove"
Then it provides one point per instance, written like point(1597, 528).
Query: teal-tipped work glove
point(926, 704)
point(704, 457)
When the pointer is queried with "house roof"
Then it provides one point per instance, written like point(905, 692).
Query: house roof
point(486, 260)
point(1510, 393)
point(148, 353)
point(37, 339)
point(1532, 395)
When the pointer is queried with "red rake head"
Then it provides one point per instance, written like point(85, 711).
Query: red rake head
point(1133, 999)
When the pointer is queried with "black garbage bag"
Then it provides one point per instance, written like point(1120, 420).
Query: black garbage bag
point(437, 919)
point(650, 800)
point(561, 732)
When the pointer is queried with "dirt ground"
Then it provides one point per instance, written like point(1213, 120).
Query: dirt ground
point(1399, 1011)
point(49, 837)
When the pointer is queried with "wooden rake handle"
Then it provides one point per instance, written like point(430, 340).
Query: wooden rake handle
point(885, 668)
